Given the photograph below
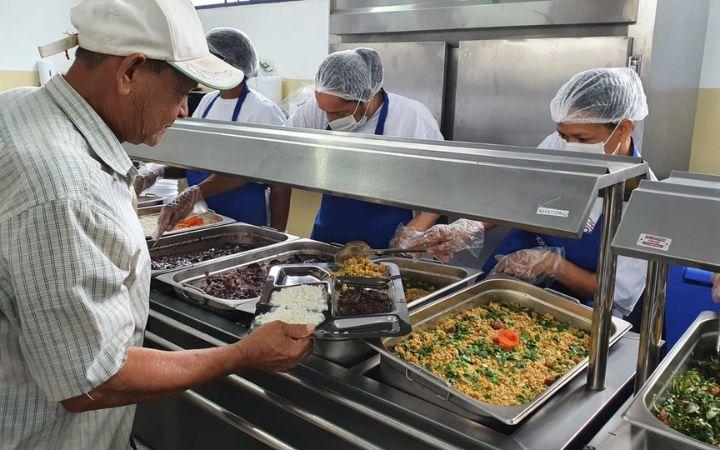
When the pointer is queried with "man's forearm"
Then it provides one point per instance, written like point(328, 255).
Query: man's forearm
point(154, 374)
point(279, 206)
point(580, 281)
point(174, 172)
point(218, 184)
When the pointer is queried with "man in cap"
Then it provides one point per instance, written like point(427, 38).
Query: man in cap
point(74, 265)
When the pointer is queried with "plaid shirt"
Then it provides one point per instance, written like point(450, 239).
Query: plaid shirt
point(74, 269)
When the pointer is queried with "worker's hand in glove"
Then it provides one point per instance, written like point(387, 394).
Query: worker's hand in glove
point(147, 176)
point(404, 237)
point(443, 241)
point(541, 265)
point(716, 287)
point(172, 213)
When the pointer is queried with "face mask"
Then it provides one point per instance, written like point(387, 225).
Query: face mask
point(597, 149)
point(348, 123)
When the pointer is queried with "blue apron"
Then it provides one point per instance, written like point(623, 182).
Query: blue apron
point(247, 204)
point(343, 220)
point(583, 252)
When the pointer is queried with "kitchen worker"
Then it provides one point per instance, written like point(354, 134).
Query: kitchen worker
point(74, 265)
point(243, 200)
point(595, 112)
point(349, 97)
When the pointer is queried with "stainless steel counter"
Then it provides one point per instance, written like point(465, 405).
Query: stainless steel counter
point(324, 405)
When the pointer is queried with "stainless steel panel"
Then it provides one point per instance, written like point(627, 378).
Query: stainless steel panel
point(378, 16)
point(683, 210)
point(697, 342)
point(678, 41)
point(505, 87)
point(396, 371)
point(199, 240)
point(414, 70)
point(386, 170)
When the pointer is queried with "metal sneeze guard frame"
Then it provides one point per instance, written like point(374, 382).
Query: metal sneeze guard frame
point(674, 221)
point(541, 190)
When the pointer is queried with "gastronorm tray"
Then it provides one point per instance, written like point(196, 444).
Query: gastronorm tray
point(445, 277)
point(184, 281)
point(335, 327)
point(415, 380)
point(198, 240)
point(698, 341)
point(214, 219)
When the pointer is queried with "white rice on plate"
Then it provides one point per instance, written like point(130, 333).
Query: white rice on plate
point(304, 298)
point(291, 316)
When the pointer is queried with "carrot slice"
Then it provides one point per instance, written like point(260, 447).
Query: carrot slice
point(507, 339)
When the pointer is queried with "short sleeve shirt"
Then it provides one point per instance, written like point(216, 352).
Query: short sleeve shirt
point(74, 269)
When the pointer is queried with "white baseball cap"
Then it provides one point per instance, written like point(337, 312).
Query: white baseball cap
point(166, 30)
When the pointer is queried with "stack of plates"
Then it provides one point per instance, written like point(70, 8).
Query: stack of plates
point(167, 189)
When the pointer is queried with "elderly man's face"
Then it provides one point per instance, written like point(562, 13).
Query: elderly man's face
point(154, 102)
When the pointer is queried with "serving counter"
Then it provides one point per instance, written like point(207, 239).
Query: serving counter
point(321, 404)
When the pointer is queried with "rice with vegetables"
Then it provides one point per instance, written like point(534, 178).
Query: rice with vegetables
point(362, 267)
point(502, 354)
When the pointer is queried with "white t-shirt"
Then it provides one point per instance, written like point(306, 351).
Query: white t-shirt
point(631, 274)
point(256, 109)
point(406, 118)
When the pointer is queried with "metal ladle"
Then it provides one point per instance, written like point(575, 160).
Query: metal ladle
point(362, 250)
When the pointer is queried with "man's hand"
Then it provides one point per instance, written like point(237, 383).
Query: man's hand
point(716, 288)
point(146, 177)
point(535, 265)
point(277, 346)
point(172, 213)
point(444, 241)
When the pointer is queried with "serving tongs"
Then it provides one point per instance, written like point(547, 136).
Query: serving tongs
point(362, 250)
point(717, 341)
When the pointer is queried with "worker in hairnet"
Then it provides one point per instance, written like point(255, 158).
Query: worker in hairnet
point(349, 97)
point(595, 112)
point(243, 200)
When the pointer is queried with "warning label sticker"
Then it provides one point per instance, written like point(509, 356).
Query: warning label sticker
point(543, 211)
point(656, 242)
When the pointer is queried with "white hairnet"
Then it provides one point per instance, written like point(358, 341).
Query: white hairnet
point(235, 47)
point(346, 75)
point(600, 96)
point(374, 62)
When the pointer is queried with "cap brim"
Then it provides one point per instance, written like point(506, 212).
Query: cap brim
point(210, 71)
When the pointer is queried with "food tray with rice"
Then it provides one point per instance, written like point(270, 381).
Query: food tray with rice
point(185, 250)
point(231, 286)
point(319, 294)
point(493, 352)
point(680, 403)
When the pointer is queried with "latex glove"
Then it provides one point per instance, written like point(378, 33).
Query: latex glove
point(147, 176)
point(175, 211)
point(716, 287)
point(541, 265)
point(404, 236)
point(443, 241)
